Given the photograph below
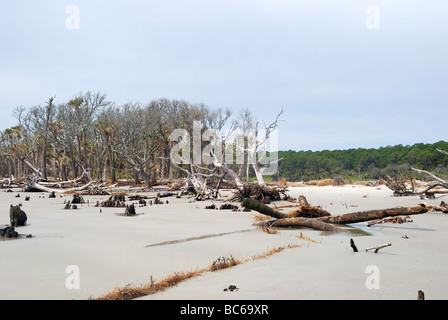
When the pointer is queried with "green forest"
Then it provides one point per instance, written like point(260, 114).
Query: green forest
point(362, 163)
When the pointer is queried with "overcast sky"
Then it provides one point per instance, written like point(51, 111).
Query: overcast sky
point(347, 73)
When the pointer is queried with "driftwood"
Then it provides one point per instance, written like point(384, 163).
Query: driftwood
point(264, 209)
point(41, 187)
point(397, 219)
point(262, 193)
point(306, 222)
point(363, 216)
point(306, 210)
point(285, 220)
point(443, 207)
point(439, 181)
point(379, 247)
point(36, 182)
point(325, 223)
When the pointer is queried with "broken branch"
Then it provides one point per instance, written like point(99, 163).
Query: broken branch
point(379, 247)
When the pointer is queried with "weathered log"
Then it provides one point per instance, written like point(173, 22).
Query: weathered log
point(60, 184)
point(439, 180)
point(286, 220)
point(363, 216)
point(443, 207)
point(264, 209)
point(396, 219)
point(40, 187)
point(306, 222)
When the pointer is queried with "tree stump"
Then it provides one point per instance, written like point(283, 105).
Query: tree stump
point(130, 210)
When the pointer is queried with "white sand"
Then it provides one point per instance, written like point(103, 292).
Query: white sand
point(112, 250)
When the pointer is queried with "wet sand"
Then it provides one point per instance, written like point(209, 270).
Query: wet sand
point(111, 250)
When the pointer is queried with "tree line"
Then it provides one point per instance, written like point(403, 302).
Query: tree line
point(90, 136)
point(91, 133)
point(363, 163)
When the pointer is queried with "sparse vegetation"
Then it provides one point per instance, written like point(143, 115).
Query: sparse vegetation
point(129, 292)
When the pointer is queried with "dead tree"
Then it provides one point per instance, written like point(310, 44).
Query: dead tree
point(327, 222)
point(407, 186)
point(362, 216)
point(45, 134)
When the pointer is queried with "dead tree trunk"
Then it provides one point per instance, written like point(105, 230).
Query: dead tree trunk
point(285, 220)
point(44, 148)
point(363, 216)
point(264, 209)
point(306, 222)
point(324, 223)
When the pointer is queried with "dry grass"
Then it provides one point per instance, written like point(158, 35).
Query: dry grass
point(264, 224)
point(325, 182)
point(301, 236)
point(128, 292)
point(273, 251)
point(223, 263)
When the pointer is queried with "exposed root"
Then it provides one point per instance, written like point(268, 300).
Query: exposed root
point(263, 194)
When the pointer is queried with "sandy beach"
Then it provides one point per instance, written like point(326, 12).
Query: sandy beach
point(110, 250)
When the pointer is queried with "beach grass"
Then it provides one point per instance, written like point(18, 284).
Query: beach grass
point(130, 292)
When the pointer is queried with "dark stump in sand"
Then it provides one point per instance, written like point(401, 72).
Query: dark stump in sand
point(17, 216)
point(130, 210)
point(8, 231)
point(77, 199)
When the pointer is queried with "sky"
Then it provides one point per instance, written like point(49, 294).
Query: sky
point(346, 73)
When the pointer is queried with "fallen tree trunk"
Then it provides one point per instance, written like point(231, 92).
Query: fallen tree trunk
point(264, 209)
point(362, 216)
point(285, 220)
point(60, 184)
point(322, 223)
point(306, 222)
point(40, 187)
